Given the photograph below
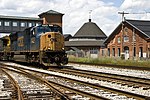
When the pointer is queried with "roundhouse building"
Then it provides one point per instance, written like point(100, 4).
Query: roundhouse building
point(87, 41)
point(131, 38)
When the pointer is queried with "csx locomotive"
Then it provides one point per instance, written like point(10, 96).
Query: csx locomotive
point(43, 44)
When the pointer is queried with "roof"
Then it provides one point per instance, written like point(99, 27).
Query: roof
point(90, 29)
point(19, 17)
point(97, 43)
point(67, 37)
point(50, 12)
point(142, 26)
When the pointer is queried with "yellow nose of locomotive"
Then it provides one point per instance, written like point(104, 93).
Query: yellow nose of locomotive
point(52, 41)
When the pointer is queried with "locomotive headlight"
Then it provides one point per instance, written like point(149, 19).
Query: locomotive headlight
point(63, 48)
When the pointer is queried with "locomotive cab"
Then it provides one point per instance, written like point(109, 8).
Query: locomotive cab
point(49, 41)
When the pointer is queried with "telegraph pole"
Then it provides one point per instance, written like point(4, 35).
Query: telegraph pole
point(123, 13)
point(122, 42)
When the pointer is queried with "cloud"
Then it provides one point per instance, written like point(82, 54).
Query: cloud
point(136, 5)
point(76, 12)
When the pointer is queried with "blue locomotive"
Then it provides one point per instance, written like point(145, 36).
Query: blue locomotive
point(43, 44)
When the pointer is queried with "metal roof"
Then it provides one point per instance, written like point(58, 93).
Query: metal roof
point(20, 18)
point(142, 25)
point(90, 29)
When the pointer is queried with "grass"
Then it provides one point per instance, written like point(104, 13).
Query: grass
point(112, 61)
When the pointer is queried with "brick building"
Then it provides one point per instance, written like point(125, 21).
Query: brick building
point(131, 38)
point(10, 24)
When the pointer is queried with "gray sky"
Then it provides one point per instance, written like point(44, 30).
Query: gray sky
point(104, 12)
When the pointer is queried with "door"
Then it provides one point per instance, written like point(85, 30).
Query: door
point(126, 50)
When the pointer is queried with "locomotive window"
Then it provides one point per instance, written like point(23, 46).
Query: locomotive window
point(56, 29)
point(43, 29)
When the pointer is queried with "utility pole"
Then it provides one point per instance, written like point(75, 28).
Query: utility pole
point(122, 36)
point(123, 13)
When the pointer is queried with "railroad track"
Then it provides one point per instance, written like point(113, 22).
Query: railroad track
point(114, 78)
point(9, 89)
point(101, 78)
point(71, 92)
point(84, 88)
point(30, 87)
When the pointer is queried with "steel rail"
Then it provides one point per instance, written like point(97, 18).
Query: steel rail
point(121, 92)
point(15, 84)
point(52, 84)
point(128, 79)
point(38, 78)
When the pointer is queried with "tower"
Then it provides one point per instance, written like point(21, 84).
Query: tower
point(52, 17)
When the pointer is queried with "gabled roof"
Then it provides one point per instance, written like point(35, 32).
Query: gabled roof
point(50, 12)
point(142, 26)
point(19, 17)
point(89, 30)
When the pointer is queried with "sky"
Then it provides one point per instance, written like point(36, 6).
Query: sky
point(76, 12)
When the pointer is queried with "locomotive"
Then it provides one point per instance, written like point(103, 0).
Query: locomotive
point(43, 44)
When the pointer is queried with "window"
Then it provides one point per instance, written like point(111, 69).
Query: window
point(126, 39)
point(108, 51)
point(15, 24)
point(33, 24)
point(6, 23)
point(119, 40)
point(141, 52)
point(113, 52)
point(118, 52)
point(30, 24)
point(93, 51)
point(134, 52)
point(0, 23)
point(37, 24)
point(102, 52)
point(126, 30)
point(23, 24)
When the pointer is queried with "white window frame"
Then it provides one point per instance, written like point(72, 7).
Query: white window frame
point(30, 24)
point(22, 24)
point(6, 23)
point(15, 24)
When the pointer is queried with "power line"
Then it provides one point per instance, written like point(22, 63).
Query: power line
point(123, 14)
